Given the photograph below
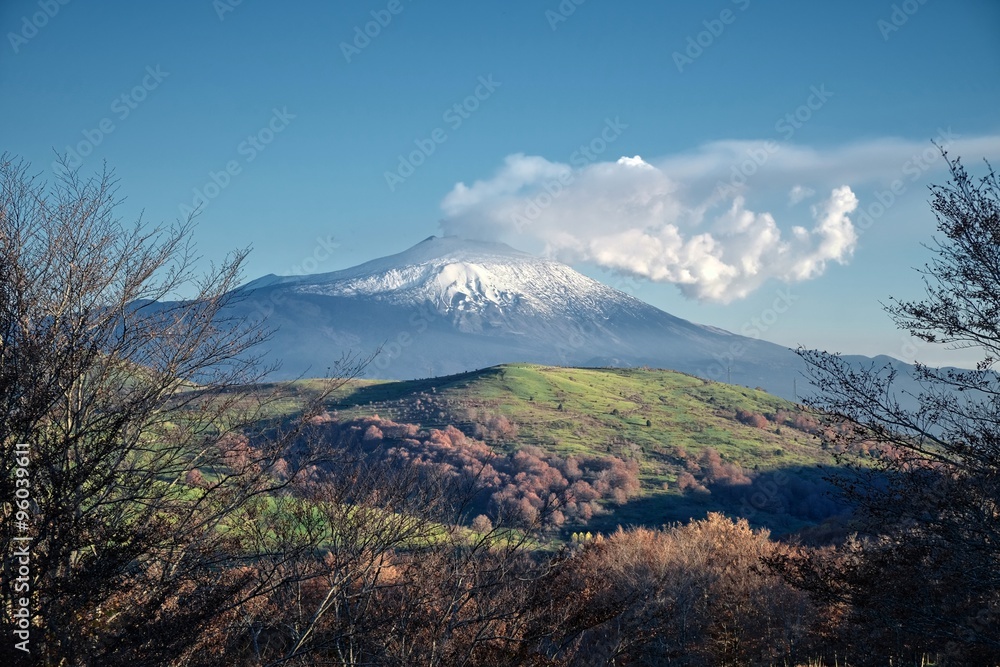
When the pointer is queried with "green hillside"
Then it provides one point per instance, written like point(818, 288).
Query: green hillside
point(663, 420)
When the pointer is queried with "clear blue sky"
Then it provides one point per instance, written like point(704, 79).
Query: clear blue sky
point(199, 77)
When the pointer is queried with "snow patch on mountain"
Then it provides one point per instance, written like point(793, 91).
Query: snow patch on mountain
point(467, 278)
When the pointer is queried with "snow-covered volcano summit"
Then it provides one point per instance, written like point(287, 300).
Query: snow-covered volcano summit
point(477, 285)
point(448, 305)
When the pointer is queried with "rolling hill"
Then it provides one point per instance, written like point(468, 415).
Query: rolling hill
point(697, 445)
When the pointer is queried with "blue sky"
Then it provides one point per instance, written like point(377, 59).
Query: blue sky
point(294, 122)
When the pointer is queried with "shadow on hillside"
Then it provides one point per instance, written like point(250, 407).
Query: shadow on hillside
point(792, 501)
point(397, 389)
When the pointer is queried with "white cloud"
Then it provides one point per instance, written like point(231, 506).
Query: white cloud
point(636, 161)
point(629, 216)
point(685, 219)
point(874, 161)
point(799, 193)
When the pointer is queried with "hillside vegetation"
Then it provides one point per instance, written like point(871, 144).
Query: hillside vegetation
point(695, 446)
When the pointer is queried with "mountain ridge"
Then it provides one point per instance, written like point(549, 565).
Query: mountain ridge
point(448, 305)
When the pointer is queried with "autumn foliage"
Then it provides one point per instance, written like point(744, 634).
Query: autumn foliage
point(529, 486)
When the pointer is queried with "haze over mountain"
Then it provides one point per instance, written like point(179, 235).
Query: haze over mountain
point(448, 305)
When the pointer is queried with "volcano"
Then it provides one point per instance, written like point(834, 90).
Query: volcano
point(449, 305)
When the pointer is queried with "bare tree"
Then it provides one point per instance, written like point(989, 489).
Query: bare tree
point(695, 594)
point(926, 578)
point(398, 579)
point(147, 503)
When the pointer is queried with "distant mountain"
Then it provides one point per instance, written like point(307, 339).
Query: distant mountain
point(448, 305)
